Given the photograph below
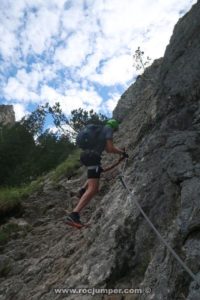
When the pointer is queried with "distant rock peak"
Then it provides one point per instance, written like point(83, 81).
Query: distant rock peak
point(7, 115)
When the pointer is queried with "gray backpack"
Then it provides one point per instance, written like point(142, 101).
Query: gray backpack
point(87, 138)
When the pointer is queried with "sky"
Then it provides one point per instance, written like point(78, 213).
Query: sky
point(78, 52)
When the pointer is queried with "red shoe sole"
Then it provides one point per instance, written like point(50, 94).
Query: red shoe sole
point(76, 225)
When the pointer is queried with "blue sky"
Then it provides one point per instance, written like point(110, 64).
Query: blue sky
point(79, 52)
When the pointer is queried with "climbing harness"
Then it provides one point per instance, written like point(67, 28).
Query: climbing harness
point(121, 178)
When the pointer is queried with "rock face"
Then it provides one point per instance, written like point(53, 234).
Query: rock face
point(161, 132)
point(145, 87)
point(7, 115)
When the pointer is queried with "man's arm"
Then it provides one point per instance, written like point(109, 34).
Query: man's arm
point(110, 148)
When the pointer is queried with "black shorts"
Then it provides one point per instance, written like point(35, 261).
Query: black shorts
point(94, 173)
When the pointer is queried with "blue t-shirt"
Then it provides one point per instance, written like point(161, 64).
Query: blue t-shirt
point(105, 134)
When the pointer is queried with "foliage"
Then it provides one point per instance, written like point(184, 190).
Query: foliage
point(23, 159)
point(80, 118)
point(68, 167)
point(27, 151)
point(51, 150)
point(16, 146)
point(34, 122)
point(140, 63)
point(10, 197)
point(9, 200)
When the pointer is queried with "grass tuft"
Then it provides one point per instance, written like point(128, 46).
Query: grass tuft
point(68, 168)
point(10, 197)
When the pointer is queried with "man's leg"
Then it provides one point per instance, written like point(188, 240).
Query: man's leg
point(82, 190)
point(92, 189)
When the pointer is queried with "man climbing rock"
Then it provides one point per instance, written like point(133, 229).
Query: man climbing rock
point(93, 139)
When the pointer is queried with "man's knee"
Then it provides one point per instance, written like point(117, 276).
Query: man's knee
point(93, 189)
point(93, 186)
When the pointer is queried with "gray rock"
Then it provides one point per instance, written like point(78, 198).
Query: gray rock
point(182, 57)
point(7, 115)
point(144, 87)
point(160, 129)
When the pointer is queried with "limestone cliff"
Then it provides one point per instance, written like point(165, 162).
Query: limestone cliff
point(7, 115)
point(161, 132)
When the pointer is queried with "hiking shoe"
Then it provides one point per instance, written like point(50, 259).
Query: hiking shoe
point(73, 219)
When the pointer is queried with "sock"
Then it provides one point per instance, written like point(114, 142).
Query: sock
point(75, 215)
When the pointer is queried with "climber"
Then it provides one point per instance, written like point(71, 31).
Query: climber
point(94, 139)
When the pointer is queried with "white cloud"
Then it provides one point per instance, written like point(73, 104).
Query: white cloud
point(74, 52)
point(8, 42)
point(116, 70)
point(15, 90)
point(20, 111)
point(111, 103)
point(24, 86)
point(73, 99)
point(66, 129)
point(59, 49)
point(29, 80)
point(72, 19)
point(39, 31)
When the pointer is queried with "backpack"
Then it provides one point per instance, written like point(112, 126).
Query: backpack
point(87, 138)
point(90, 158)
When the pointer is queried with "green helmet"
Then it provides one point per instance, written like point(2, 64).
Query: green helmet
point(114, 124)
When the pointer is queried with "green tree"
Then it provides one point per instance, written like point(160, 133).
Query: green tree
point(51, 151)
point(80, 118)
point(16, 144)
point(27, 151)
point(36, 120)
